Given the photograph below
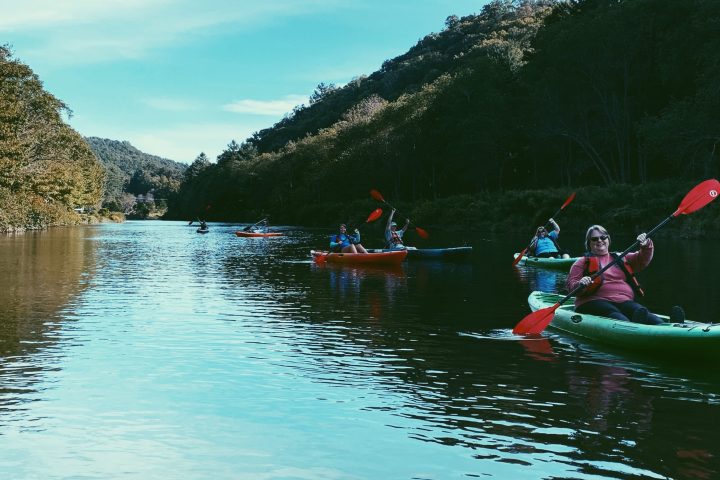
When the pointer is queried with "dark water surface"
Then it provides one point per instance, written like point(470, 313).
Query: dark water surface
point(147, 351)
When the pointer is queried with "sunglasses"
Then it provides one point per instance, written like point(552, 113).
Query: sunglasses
point(597, 239)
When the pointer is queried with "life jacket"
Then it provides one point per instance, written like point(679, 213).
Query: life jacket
point(592, 266)
point(395, 239)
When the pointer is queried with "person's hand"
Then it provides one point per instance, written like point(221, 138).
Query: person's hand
point(642, 239)
point(357, 231)
point(393, 210)
point(585, 281)
point(407, 221)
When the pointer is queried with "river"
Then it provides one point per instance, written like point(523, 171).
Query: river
point(145, 350)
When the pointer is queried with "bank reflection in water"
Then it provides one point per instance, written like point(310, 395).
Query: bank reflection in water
point(42, 273)
point(364, 287)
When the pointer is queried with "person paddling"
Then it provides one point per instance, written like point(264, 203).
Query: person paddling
point(258, 227)
point(344, 243)
point(393, 236)
point(613, 294)
point(545, 244)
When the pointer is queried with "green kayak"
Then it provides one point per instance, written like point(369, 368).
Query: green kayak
point(688, 338)
point(560, 263)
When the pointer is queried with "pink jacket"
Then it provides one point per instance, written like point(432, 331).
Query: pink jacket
point(614, 287)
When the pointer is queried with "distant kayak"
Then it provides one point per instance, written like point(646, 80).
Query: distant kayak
point(379, 258)
point(450, 253)
point(202, 230)
point(561, 263)
point(688, 338)
point(241, 233)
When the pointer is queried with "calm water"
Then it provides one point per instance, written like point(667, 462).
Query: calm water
point(147, 351)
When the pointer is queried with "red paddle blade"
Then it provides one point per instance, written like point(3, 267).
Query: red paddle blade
point(377, 213)
point(536, 322)
point(377, 195)
point(698, 197)
point(519, 257)
point(569, 199)
point(422, 232)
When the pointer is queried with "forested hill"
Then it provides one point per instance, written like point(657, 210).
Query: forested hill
point(130, 171)
point(522, 95)
point(46, 168)
point(504, 31)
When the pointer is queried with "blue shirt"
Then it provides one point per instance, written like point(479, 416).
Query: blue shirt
point(546, 244)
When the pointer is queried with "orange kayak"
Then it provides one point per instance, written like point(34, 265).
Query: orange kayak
point(381, 258)
point(240, 233)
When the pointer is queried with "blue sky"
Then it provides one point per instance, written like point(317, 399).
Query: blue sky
point(180, 77)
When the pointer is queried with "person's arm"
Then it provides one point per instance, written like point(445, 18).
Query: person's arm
point(389, 220)
point(334, 242)
point(642, 258)
point(407, 224)
point(577, 273)
point(356, 237)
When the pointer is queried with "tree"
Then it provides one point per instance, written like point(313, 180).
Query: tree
point(321, 91)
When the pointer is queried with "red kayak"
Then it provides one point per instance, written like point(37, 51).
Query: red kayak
point(240, 233)
point(382, 258)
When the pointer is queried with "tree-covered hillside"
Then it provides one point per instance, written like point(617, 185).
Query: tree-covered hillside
point(132, 172)
point(526, 94)
point(46, 168)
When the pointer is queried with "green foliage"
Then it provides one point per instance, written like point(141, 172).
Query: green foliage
point(46, 168)
point(131, 171)
point(524, 102)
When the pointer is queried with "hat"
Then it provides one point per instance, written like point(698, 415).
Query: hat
point(393, 224)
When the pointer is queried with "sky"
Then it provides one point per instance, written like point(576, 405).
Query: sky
point(179, 77)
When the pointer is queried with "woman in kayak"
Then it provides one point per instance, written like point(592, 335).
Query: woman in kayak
point(613, 293)
point(342, 242)
point(393, 236)
point(545, 245)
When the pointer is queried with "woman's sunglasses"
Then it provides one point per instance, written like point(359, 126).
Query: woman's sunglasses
point(597, 239)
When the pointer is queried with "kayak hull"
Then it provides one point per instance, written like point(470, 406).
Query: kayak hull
point(689, 338)
point(558, 263)
point(375, 258)
point(449, 253)
point(200, 230)
point(240, 233)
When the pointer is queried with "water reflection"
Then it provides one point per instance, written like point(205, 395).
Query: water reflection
point(541, 279)
point(216, 355)
point(42, 272)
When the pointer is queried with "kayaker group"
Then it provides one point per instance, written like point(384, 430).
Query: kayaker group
point(342, 242)
point(613, 293)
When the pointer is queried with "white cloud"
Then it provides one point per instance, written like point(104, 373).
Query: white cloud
point(266, 107)
point(87, 31)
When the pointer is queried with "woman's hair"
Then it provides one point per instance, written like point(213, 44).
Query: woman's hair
point(588, 234)
point(343, 225)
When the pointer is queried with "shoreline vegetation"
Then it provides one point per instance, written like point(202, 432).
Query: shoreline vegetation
point(626, 209)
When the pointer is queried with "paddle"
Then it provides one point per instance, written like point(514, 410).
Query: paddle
point(697, 198)
point(249, 227)
point(374, 215)
point(378, 196)
point(567, 202)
